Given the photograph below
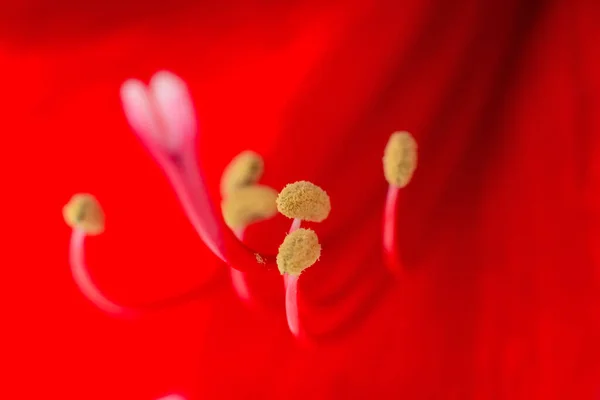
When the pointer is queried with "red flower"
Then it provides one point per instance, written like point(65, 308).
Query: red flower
point(498, 231)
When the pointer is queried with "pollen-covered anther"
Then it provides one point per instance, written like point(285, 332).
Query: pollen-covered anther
point(299, 250)
point(400, 159)
point(249, 204)
point(245, 169)
point(84, 212)
point(305, 201)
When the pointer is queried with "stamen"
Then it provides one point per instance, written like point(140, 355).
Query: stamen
point(400, 159)
point(399, 164)
point(245, 169)
point(85, 213)
point(305, 201)
point(299, 250)
point(248, 205)
point(302, 201)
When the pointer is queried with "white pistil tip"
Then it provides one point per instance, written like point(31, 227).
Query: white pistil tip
point(174, 107)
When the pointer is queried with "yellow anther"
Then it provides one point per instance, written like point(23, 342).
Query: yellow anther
point(249, 204)
point(84, 212)
point(299, 250)
point(245, 169)
point(304, 200)
point(400, 159)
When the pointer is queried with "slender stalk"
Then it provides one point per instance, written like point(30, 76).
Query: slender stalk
point(390, 241)
point(291, 293)
point(96, 296)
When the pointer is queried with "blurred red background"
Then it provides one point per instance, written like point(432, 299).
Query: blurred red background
point(517, 80)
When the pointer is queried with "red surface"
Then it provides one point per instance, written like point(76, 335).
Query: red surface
point(499, 226)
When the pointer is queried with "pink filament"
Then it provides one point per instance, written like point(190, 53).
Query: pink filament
point(291, 294)
point(88, 288)
point(238, 278)
point(291, 304)
point(389, 230)
point(240, 286)
point(84, 281)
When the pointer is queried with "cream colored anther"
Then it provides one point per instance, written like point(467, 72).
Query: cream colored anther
point(244, 170)
point(400, 159)
point(84, 212)
point(248, 205)
point(299, 250)
point(305, 201)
